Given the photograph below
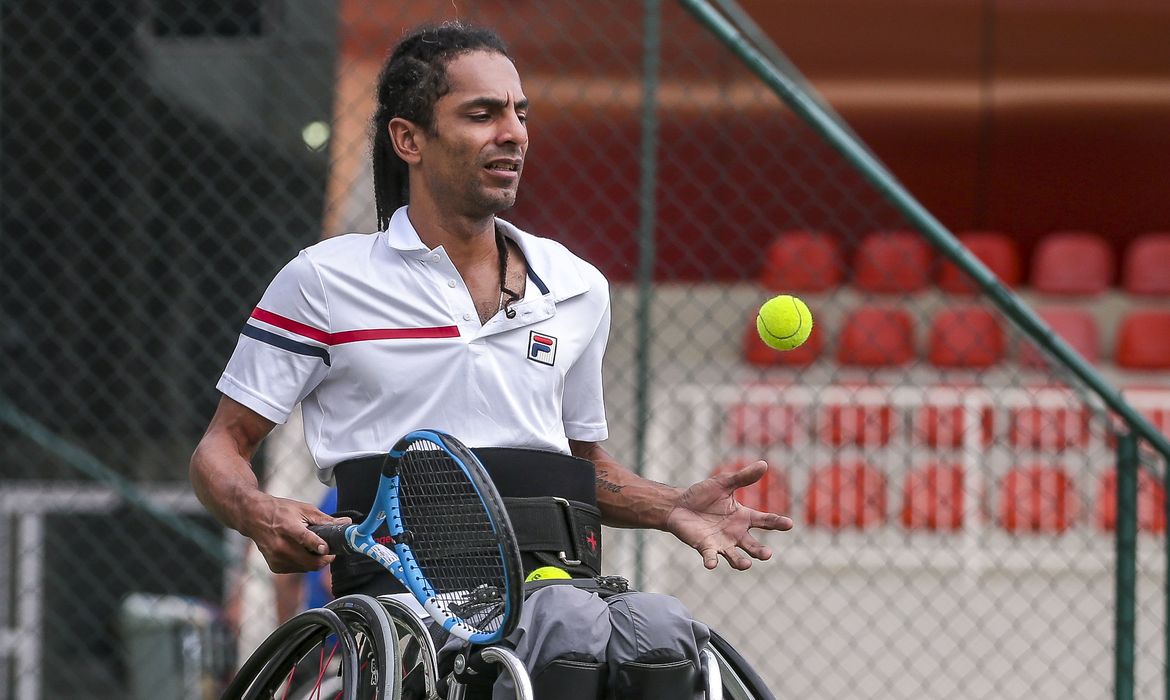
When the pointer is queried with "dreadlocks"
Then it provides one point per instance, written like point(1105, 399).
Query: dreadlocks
point(411, 82)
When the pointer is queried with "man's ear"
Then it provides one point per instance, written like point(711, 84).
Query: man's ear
point(407, 137)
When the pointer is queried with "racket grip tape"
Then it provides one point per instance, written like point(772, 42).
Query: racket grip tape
point(334, 536)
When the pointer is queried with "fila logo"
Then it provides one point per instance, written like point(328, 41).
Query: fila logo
point(542, 348)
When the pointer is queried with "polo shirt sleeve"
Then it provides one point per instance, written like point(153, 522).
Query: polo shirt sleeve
point(583, 405)
point(283, 350)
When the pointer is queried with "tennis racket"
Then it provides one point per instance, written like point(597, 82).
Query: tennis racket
point(452, 544)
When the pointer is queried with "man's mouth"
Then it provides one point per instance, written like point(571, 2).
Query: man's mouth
point(503, 166)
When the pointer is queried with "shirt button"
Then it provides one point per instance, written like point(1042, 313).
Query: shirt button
point(435, 257)
point(466, 317)
point(451, 284)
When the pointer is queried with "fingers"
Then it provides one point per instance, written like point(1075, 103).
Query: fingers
point(770, 521)
point(311, 542)
point(330, 520)
point(306, 552)
point(297, 553)
point(746, 476)
point(737, 560)
point(755, 548)
point(315, 517)
point(287, 543)
point(299, 564)
point(710, 557)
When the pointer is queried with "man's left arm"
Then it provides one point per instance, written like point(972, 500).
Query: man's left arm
point(705, 516)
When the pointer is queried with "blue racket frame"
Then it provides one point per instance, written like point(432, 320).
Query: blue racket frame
point(400, 561)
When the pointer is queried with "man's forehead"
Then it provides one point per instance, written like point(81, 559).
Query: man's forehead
point(483, 74)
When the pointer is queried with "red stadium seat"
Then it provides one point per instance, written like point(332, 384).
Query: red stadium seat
point(996, 250)
point(892, 262)
point(944, 426)
point(770, 493)
point(855, 424)
point(846, 496)
point(1076, 326)
point(1146, 267)
point(965, 336)
point(766, 425)
point(1051, 428)
point(1072, 262)
point(759, 354)
point(802, 261)
point(932, 498)
point(1037, 499)
point(1151, 502)
point(876, 337)
point(1143, 340)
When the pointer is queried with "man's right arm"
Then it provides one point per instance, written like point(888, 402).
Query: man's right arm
point(221, 473)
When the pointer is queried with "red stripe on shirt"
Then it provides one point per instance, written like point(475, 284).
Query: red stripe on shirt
point(393, 334)
point(352, 336)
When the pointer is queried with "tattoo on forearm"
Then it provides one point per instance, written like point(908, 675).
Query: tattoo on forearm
point(606, 484)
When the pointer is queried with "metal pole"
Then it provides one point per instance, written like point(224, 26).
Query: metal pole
point(1125, 618)
point(647, 215)
point(84, 462)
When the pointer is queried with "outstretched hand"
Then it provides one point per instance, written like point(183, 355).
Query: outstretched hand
point(280, 529)
point(709, 519)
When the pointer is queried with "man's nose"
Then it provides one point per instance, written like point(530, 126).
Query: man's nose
point(512, 130)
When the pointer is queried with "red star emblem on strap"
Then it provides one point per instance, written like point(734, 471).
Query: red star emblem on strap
point(592, 540)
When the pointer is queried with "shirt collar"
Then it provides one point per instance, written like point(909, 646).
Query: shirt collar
point(554, 267)
point(401, 236)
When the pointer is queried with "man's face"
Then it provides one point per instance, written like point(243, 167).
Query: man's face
point(473, 157)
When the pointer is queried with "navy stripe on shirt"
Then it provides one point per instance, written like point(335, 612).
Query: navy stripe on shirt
point(538, 282)
point(285, 343)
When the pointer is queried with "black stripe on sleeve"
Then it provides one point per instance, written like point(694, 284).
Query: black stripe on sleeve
point(285, 343)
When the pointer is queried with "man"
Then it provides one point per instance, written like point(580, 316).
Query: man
point(452, 319)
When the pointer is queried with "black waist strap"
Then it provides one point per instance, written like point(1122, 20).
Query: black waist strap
point(550, 498)
point(568, 530)
point(517, 473)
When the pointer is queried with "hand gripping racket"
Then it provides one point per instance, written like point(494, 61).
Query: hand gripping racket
point(452, 544)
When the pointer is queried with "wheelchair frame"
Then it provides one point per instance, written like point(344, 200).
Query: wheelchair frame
point(384, 635)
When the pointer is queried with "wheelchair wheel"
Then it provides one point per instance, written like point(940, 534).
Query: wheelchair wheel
point(740, 680)
point(377, 642)
point(283, 662)
point(418, 664)
point(348, 651)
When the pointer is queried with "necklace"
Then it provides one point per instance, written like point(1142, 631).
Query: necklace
point(507, 296)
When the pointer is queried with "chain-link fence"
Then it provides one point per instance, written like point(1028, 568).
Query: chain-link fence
point(162, 159)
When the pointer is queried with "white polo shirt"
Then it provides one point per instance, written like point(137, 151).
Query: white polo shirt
point(376, 335)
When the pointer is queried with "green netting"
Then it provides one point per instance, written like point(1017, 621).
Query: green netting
point(952, 491)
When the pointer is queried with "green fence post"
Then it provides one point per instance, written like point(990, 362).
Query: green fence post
point(1125, 617)
point(647, 214)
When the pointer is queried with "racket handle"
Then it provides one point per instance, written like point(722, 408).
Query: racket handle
point(334, 536)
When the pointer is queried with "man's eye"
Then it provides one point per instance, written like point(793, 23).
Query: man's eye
point(480, 117)
point(523, 118)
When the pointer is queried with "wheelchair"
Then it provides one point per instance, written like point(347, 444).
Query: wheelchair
point(359, 648)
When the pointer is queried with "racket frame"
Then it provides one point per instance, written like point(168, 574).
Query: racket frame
point(400, 560)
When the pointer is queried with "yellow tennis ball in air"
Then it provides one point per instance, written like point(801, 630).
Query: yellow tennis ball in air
point(784, 322)
point(545, 573)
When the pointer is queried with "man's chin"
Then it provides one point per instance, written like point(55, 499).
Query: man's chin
point(499, 201)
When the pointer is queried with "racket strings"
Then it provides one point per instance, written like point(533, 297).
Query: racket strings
point(452, 535)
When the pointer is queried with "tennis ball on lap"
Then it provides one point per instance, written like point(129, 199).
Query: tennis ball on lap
point(784, 322)
point(545, 573)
